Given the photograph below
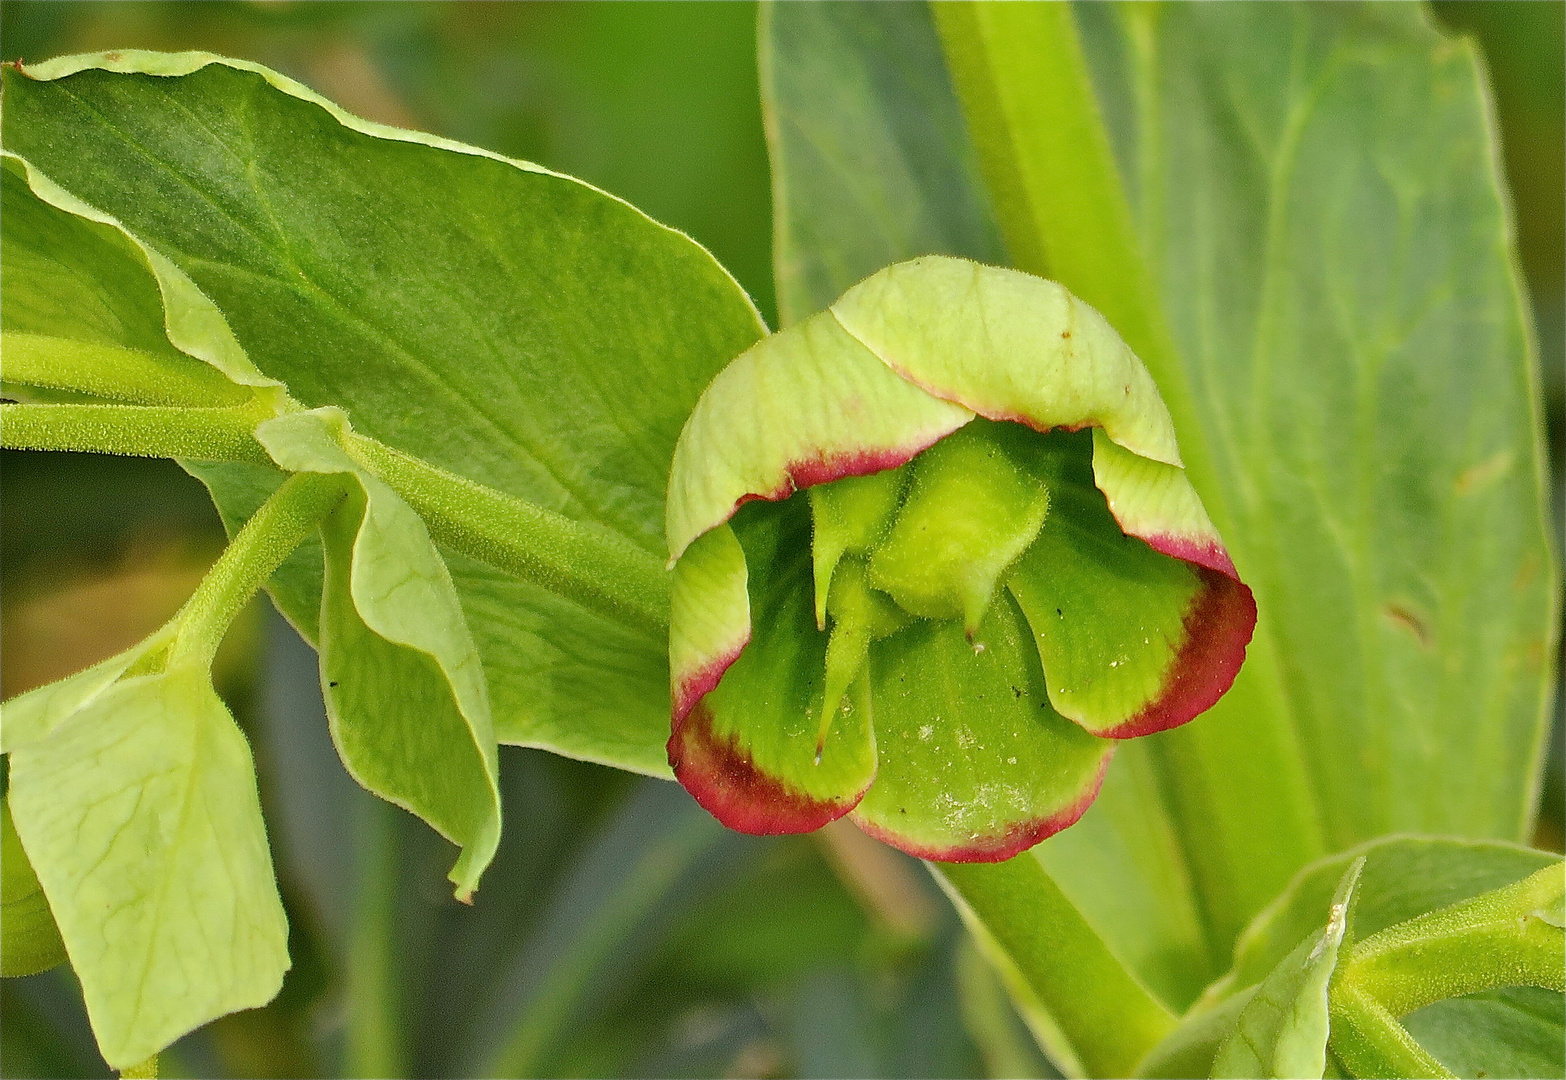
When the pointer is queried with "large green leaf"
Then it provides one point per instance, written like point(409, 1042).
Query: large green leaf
point(506, 323)
point(1314, 264)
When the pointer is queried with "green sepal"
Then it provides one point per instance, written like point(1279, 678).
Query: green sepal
point(747, 749)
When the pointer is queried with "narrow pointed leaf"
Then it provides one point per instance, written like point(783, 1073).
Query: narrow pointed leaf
point(404, 686)
point(142, 810)
point(1282, 1030)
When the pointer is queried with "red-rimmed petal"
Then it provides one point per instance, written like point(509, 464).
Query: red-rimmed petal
point(799, 408)
point(746, 747)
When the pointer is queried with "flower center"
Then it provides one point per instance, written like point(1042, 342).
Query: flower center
point(930, 539)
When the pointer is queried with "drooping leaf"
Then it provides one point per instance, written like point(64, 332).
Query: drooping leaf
point(1282, 1030)
point(404, 686)
point(512, 325)
point(76, 274)
point(141, 808)
point(80, 294)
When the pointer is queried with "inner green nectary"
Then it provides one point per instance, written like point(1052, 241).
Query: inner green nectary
point(930, 539)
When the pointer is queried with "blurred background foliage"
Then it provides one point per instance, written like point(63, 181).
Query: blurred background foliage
point(621, 932)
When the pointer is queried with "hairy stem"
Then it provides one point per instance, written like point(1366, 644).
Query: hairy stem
point(1490, 941)
point(109, 371)
point(592, 565)
point(284, 520)
point(1370, 1042)
point(204, 434)
point(1108, 1017)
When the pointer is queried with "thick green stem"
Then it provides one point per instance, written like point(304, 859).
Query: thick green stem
point(597, 568)
point(108, 371)
point(374, 1043)
point(1490, 941)
point(1108, 1017)
point(1021, 74)
point(1370, 1042)
point(221, 434)
point(284, 520)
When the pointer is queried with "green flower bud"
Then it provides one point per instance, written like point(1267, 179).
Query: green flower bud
point(976, 596)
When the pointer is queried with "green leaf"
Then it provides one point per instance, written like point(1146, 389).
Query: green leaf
point(513, 326)
point(141, 812)
point(75, 273)
point(404, 686)
point(870, 158)
point(31, 941)
point(1406, 883)
point(1403, 877)
point(1519, 1031)
point(1282, 1030)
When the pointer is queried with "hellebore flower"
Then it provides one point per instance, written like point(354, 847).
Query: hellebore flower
point(999, 568)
